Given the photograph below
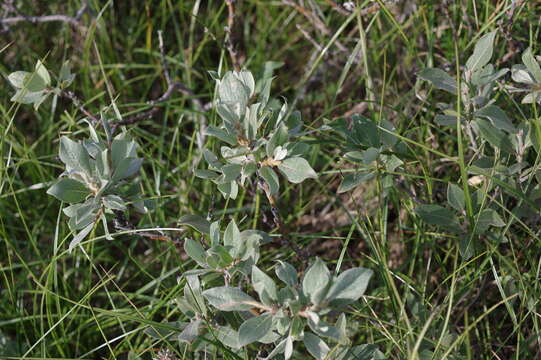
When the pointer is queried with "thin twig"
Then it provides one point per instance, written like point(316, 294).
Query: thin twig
point(72, 20)
point(154, 104)
point(232, 39)
point(309, 38)
point(316, 22)
point(8, 8)
point(162, 57)
point(337, 7)
point(121, 223)
point(347, 10)
point(332, 60)
point(77, 102)
point(171, 88)
point(513, 44)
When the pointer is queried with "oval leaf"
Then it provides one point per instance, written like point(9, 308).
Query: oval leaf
point(315, 346)
point(439, 79)
point(497, 117)
point(315, 281)
point(227, 298)
point(436, 215)
point(195, 221)
point(74, 155)
point(482, 52)
point(69, 190)
point(455, 197)
point(254, 329)
point(297, 169)
point(195, 251)
point(270, 178)
point(350, 285)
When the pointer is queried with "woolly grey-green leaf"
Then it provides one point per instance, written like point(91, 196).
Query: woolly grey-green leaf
point(195, 221)
point(349, 286)
point(286, 273)
point(263, 284)
point(315, 346)
point(497, 117)
point(520, 74)
point(231, 172)
point(114, 202)
point(195, 251)
point(193, 294)
point(190, 332)
point(227, 336)
point(74, 155)
point(322, 328)
point(121, 149)
point(297, 169)
point(531, 64)
point(316, 280)
point(254, 329)
point(206, 174)
point(222, 135)
point(455, 197)
point(482, 52)
point(232, 237)
point(19, 78)
point(43, 73)
point(227, 298)
point(439, 79)
point(232, 91)
point(271, 178)
point(69, 190)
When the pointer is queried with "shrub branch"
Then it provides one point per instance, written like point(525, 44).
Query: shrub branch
point(20, 17)
point(171, 88)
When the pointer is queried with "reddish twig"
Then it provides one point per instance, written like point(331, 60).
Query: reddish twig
point(316, 22)
point(122, 224)
point(233, 37)
point(77, 102)
point(337, 7)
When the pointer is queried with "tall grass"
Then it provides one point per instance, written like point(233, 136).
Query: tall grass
point(95, 304)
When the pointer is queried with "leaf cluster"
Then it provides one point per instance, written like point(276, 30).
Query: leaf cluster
point(283, 309)
point(97, 179)
point(501, 162)
point(370, 146)
point(35, 87)
point(262, 137)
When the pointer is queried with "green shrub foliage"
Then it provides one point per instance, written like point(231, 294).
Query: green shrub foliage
point(229, 300)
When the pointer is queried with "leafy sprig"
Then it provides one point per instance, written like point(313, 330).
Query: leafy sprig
point(264, 138)
point(370, 148)
point(499, 159)
point(261, 137)
point(35, 87)
point(234, 251)
point(97, 179)
point(279, 313)
point(528, 74)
